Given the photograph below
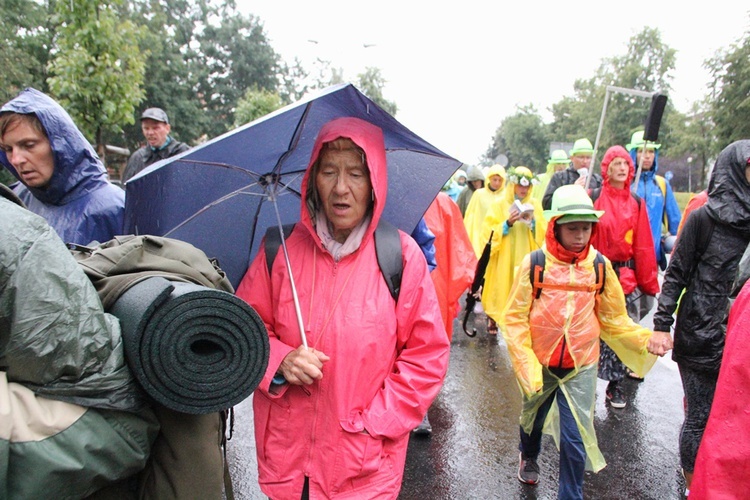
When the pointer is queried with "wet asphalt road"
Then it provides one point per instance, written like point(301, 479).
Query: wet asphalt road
point(473, 451)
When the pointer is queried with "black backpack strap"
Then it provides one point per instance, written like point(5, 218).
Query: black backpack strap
point(706, 225)
point(600, 268)
point(390, 259)
point(536, 271)
point(273, 242)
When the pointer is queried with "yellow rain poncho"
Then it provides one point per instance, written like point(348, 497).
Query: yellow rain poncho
point(535, 329)
point(480, 202)
point(508, 250)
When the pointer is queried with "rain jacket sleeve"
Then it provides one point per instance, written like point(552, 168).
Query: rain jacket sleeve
point(517, 333)
point(645, 260)
point(628, 339)
point(672, 211)
point(256, 289)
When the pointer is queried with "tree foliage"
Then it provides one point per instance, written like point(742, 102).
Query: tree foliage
point(371, 83)
point(523, 138)
point(647, 66)
point(24, 28)
point(730, 89)
point(255, 104)
point(97, 70)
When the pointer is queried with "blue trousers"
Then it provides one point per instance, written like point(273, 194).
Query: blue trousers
point(572, 452)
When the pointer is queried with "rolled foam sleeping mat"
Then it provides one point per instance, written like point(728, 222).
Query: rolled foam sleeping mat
point(193, 349)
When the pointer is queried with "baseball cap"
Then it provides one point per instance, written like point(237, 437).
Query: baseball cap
point(157, 114)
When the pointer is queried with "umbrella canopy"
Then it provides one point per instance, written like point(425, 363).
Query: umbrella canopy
point(220, 196)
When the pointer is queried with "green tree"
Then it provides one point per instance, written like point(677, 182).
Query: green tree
point(524, 138)
point(646, 66)
point(730, 89)
point(97, 70)
point(255, 104)
point(371, 83)
point(24, 27)
point(237, 57)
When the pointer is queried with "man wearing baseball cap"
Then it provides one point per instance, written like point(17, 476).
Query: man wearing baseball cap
point(160, 145)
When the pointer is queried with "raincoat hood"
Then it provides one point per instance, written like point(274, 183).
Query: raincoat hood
point(368, 137)
point(495, 169)
point(636, 141)
point(78, 169)
point(611, 154)
point(728, 190)
point(474, 173)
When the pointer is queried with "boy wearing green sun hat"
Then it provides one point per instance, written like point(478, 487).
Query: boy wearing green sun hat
point(566, 297)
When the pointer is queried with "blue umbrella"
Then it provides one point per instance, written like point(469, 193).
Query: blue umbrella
point(222, 195)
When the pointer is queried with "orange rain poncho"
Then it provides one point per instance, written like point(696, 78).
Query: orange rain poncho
point(508, 250)
point(537, 330)
point(455, 257)
point(479, 204)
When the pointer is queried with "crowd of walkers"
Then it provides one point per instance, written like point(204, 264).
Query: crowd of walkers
point(630, 216)
point(570, 259)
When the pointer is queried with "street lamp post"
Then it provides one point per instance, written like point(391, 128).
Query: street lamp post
point(690, 173)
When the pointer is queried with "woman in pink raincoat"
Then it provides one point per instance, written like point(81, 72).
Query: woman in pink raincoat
point(333, 420)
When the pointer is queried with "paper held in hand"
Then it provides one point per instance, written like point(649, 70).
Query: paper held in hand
point(525, 209)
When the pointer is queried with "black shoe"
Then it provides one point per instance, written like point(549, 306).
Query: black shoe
point(423, 429)
point(615, 396)
point(528, 470)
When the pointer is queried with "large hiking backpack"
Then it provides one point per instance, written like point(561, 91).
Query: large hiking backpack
point(387, 248)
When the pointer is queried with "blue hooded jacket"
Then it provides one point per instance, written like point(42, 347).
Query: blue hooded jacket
point(79, 201)
point(650, 192)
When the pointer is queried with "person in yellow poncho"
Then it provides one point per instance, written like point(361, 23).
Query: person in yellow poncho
point(553, 341)
point(513, 236)
point(480, 203)
point(557, 162)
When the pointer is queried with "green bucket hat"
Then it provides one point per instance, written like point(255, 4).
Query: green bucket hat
point(582, 146)
point(636, 141)
point(571, 204)
point(558, 156)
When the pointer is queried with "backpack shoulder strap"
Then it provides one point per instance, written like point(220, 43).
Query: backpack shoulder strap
point(600, 268)
point(390, 258)
point(706, 229)
point(662, 182)
point(273, 242)
point(536, 271)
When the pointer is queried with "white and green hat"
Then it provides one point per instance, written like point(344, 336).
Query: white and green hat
point(582, 146)
point(570, 203)
point(558, 156)
point(636, 142)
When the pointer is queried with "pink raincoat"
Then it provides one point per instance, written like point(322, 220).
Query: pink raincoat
point(388, 359)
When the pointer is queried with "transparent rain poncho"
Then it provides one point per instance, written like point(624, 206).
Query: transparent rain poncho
point(534, 328)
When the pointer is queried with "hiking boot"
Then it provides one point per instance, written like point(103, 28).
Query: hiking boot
point(423, 429)
point(615, 396)
point(528, 470)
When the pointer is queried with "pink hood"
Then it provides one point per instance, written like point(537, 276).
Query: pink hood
point(368, 137)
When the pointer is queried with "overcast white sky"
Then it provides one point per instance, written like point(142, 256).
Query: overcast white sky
point(455, 72)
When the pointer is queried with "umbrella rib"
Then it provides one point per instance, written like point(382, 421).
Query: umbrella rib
point(295, 137)
point(213, 204)
point(222, 165)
